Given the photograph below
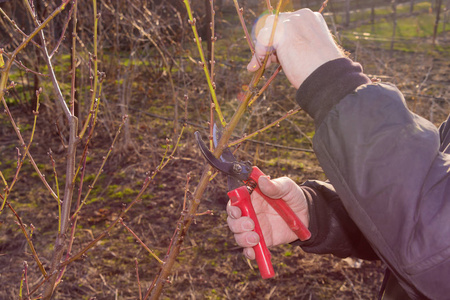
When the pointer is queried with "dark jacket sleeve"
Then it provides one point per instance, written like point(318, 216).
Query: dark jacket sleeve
point(332, 230)
point(391, 170)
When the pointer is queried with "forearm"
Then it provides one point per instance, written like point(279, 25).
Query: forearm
point(388, 167)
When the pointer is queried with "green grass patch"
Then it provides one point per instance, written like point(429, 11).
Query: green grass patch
point(95, 199)
point(408, 30)
point(384, 11)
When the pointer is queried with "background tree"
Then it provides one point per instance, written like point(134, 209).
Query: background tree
point(438, 17)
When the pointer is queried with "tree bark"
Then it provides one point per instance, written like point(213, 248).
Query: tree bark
point(436, 23)
point(347, 13)
point(372, 15)
point(394, 21)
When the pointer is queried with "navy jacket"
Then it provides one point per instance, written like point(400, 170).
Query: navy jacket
point(389, 170)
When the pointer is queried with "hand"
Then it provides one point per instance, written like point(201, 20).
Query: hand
point(302, 43)
point(275, 230)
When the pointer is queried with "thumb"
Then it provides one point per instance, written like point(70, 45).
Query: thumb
point(274, 189)
point(281, 188)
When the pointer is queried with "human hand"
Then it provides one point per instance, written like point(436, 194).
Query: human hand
point(274, 228)
point(302, 43)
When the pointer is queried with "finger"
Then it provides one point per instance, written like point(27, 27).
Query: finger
point(244, 224)
point(249, 253)
point(277, 188)
point(263, 42)
point(247, 239)
point(254, 64)
point(233, 211)
point(258, 57)
point(257, 61)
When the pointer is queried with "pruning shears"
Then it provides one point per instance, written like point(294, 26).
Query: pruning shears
point(242, 181)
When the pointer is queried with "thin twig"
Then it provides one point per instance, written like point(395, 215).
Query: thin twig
point(4, 79)
point(137, 277)
point(26, 148)
point(265, 86)
point(272, 36)
point(324, 4)
point(66, 23)
point(27, 237)
point(25, 267)
point(212, 63)
point(274, 123)
point(149, 179)
point(22, 279)
point(141, 242)
point(4, 180)
point(14, 24)
point(186, 190)
point(91, 132)
point(100, 169)
point(239, 11)
point(38, 285)
point(203, 63)
point(47, 59)
point(74, 58)
point(95, 75)
point(57, 189)
point(28, 70)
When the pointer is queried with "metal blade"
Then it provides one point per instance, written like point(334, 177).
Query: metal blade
point(233, 183)
point(225, 167)
point(233, 168)
point(217, 134)
point(227, 155)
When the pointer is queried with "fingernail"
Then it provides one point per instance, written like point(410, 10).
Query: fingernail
point(247, 225)
point(263, 180)
point(252, 239)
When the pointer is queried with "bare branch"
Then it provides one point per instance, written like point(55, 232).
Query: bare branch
point(141, 242)
point(239, 11)
point(274, 123)
point(27, 237)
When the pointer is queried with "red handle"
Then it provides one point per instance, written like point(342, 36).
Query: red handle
point(240, 197)
point(282, 209)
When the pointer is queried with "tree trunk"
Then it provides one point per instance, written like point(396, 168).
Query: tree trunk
point(372, 15)
point(411, 7)
point(347, 13)
point(436, 23)
point(333, 21)
point(445, 15)
point(394, 27)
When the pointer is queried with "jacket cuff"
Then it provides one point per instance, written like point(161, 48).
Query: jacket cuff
point(332, 230)
point(327, 85)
